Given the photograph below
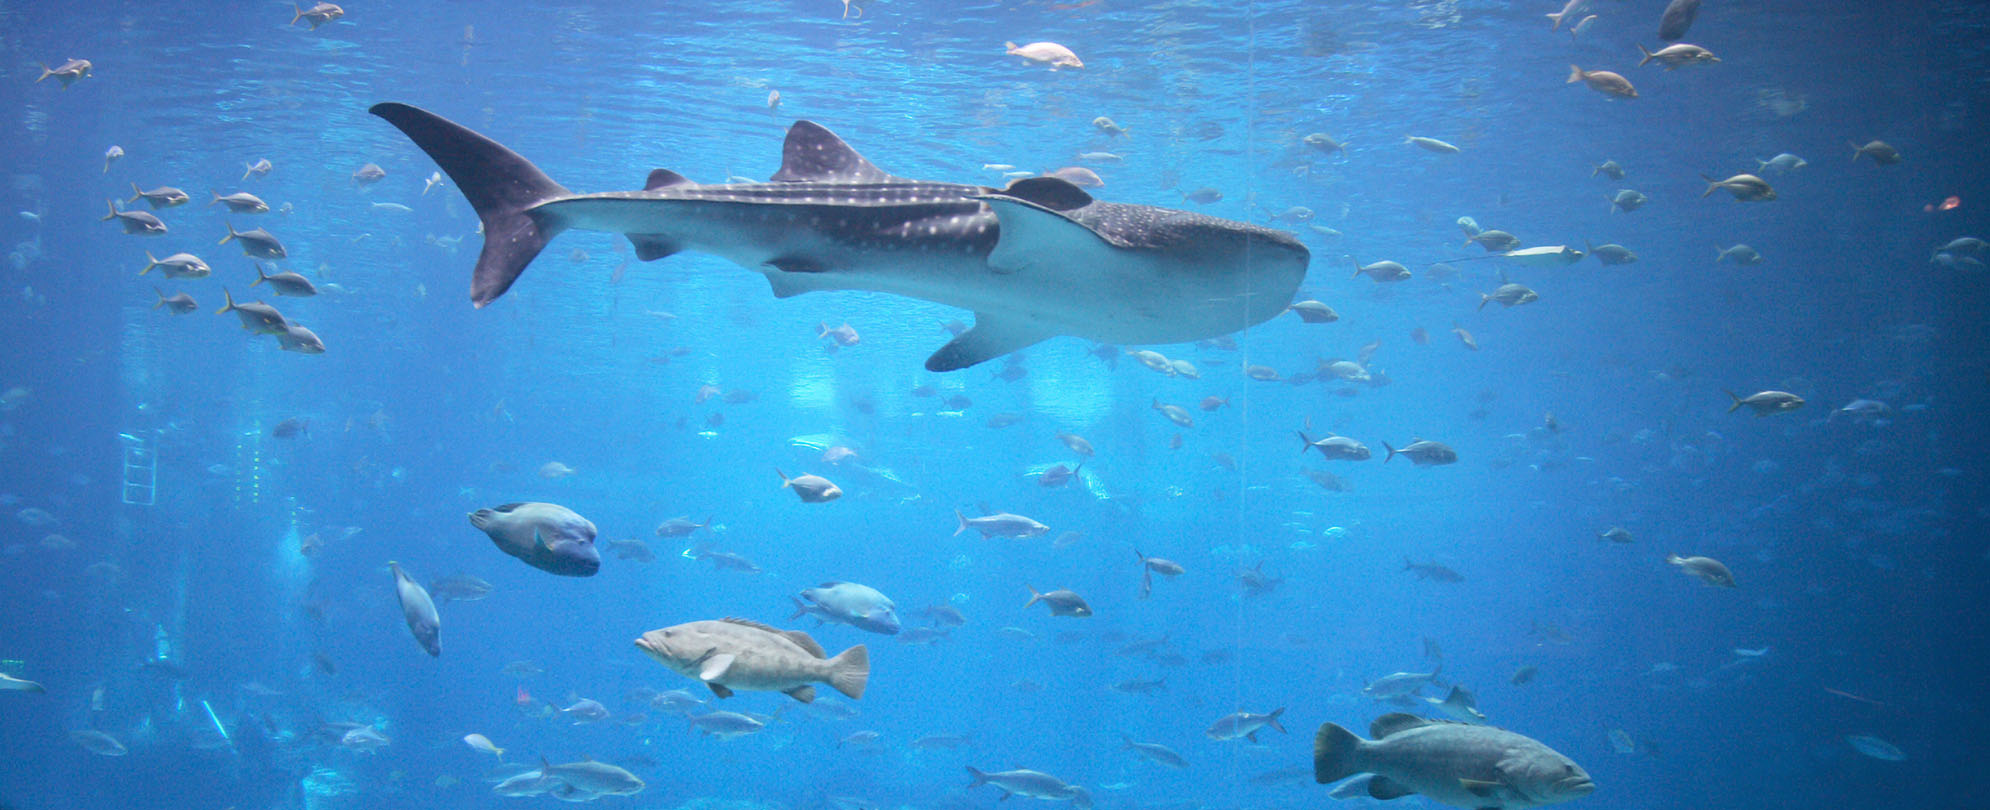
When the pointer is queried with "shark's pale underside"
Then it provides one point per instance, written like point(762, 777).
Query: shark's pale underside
point(1037, 259)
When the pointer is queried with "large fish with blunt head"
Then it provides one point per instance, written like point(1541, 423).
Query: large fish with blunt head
point(1037, 259)
point(546, 536)
point(731, 654)
point(419, 610)
point(1478, 767)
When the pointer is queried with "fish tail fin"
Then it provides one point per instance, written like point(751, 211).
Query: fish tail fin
point(45, 72)
point(298, 15)
point(231, 233)
point(1554, 21)
point(1575, 74)
point(785, 480)
point(1761, 165)
point(1335, 754)
point(1272, 720)
point(1305, 442)
point(800, 609)
point(963, 522)
point(217, 197)
point(228, 307)
point(1737, 402)
point(1857, 150)
point(111, 204)
point(162, 297)
point(1357, 267)
point(1711, 185)
point(502, 186)
point(850, 670)
point(260, 275)
point(976, 775)
point(1392, 452)
point(1648, 56)
point(135, 194)
point(150, 263)
point(1034, 596)
point(1483, 298)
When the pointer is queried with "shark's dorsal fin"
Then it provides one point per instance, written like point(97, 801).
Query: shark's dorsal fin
point(663, 178)
point(1054, 193)
point(814, 154)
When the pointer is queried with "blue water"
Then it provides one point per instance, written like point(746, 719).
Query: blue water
point(1857, 544)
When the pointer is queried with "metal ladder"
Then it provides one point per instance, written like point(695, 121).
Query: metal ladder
point(141, 472)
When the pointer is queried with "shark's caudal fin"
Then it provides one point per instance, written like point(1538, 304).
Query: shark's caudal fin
point(502, 186)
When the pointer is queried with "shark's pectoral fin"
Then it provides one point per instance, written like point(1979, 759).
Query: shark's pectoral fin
point(1035, 237)
point(650, 246)
point(991, 337)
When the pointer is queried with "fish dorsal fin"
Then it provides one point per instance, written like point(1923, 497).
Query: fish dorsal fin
point(807, 643)
point(751, 623)
point(664, 178)
point(814, 154)
point(506, 507)
point(1054, 193)
point(1394, 722)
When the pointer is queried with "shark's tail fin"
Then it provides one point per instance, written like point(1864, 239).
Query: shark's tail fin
point(500, 184)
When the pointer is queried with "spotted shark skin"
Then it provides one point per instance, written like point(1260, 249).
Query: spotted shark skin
point(1038, 259)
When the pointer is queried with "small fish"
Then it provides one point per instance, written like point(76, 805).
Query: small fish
point(1422, 452)
point(256, 316)
point(1000, 524)
point(1049, 53)
point(1764, 403)
point(240, 202)
point(259, 168)
point(1431, 144)
point(112, 155)
point(773, 100)
point(1175, 413)
point(1149, 566)
point(1061, 602)
point(1744, 187)
point(1494, 241)
point(1568, 12)
point(1432, 571)
point(285, 283)
point(1244, 725)
point(316, 15)
point(1108, 126)
point(256, 243)
point(419, 610)
point(1611, 255)
point(1677, 56)
point(435, 179)
point(1739, 254)
point(1603, 81)
point(1881, 152)
point(161, 197)
point(368, 175)
point(291, 428)
point(1155, 753)
point(1616, 534)
point(179, 304)
point(1705, 569)
point(9, 683)
point(1204, 196)
point(296, 338)
point(395, 208)
point(1523, 675)
point(97, 742)
point(1608, 168)
point(482, 743)
point(1875, 747)
point(1509, 295)
point(1580, 28)
point(1079, 176)
point(810, 488)
point(1382, 271)
point(1310, 311)
point(1628, 200)
point(1325, 143)
point(178, 265)
point(68, 73)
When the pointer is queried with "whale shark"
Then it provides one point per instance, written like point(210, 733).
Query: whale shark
point(1037, 259)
